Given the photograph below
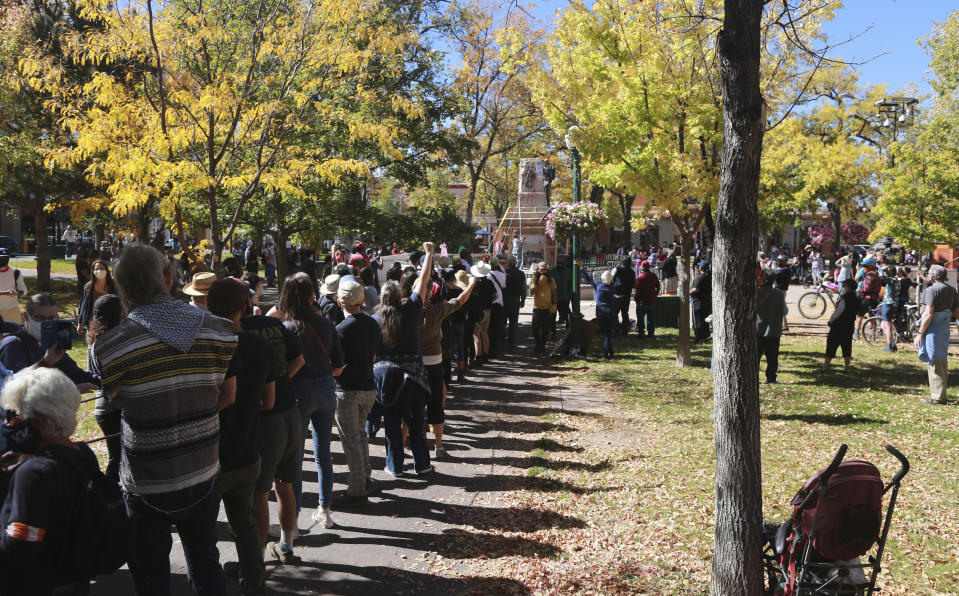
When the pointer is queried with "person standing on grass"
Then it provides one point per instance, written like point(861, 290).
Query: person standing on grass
point(623, 280)
point(890, 306)
point(940, 302)
point(360, 338)
point(12, 287)
point(770, 312)
point(435, 313)
point(647, 289)
point(239, 458)
point(701, 298)
point(543, 290)
point(107, 313)
point(842, 324)
point(606, 310)
point(101, 285)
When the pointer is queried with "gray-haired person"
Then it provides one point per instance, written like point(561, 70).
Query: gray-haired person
point(940, 303)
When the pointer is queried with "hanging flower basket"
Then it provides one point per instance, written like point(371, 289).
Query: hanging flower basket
point(854, 232)
point(819, 234)
point(584, 218)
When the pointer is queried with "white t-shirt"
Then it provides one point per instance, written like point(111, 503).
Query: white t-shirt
point(7, 283)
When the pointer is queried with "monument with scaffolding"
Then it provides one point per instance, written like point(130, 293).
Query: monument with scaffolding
point(526, 218)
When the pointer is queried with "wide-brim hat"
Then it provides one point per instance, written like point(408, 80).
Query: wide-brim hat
point(462, 279)
point(480, 269)
point(200, 285)
point(330, 284)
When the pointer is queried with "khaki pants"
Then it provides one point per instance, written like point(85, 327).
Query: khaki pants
point(938, 380)
point(11, 315)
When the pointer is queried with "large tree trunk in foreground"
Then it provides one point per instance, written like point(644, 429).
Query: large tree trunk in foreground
point(737, 562)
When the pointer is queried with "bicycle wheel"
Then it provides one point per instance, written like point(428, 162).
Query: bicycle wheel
point(812, 305)
point(909, 327)
point(872, 331)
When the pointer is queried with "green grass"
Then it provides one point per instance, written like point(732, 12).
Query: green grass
point(804, 420)
point(60, 266)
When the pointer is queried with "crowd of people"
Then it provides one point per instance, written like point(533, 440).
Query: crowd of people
point(208, 400)
point(183, 386)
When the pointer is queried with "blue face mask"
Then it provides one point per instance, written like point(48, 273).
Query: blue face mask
point(22, 437)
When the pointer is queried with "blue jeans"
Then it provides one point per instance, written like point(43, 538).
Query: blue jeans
point(316, 401)
point(643, 311)
point(411, 409)
point(269, 270)
point(193, 511)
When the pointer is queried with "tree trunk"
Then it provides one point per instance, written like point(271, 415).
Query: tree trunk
point(471, 198)
point(282, 255)
point(683, 357)
point(215, 231)
point(180, 232)
point(43, 249)
point(627, 205)
point(737, 561)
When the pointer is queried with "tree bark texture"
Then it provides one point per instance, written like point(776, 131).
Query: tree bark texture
point(683, 357)
point(737, 562)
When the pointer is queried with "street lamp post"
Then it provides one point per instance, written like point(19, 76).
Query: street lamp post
point(895, 113)
point(575, 317)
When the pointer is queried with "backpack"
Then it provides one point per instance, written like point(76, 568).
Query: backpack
point(102, 535)
point(871, 284)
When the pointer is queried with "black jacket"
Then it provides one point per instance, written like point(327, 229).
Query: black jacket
point(843, 319)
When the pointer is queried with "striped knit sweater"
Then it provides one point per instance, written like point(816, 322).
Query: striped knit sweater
point(168, 397)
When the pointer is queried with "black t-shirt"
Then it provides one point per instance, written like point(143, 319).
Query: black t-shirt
point(320, 347)
point(703, 297)
point(481, 298)
point(285, 349)
point(360, 339)
point(623, 280)
point(331, 310)
point(251, 365)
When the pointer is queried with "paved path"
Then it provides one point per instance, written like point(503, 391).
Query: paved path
point(390, 546)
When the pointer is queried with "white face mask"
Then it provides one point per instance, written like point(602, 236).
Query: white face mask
point(100, 273)
point(34, 329)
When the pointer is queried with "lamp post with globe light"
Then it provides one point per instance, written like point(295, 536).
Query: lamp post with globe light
point(575, 317)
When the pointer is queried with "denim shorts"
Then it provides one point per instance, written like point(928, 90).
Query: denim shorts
point(889, 312)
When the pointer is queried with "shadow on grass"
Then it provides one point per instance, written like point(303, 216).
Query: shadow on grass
point(831, 420)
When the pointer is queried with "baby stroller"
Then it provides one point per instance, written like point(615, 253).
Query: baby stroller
point(837, 518)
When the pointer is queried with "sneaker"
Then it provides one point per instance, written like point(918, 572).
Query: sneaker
point(322, 514)
point(425, 471)
point(346, 501)
point(285, 557)
point(440, 452)
point(392, 474)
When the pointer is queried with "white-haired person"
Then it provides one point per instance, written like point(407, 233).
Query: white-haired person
point(606, 311)
point(41, 414)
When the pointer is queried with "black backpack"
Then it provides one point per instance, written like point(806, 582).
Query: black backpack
point(102, 535)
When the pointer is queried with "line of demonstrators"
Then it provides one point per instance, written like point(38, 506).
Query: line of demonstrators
point(208, 402)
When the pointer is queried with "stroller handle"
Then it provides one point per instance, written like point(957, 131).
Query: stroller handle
point(835, 463)
point(902, 459)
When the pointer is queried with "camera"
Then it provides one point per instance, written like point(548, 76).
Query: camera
point(56, 333)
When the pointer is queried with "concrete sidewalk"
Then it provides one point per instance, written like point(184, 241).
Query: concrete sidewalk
point(405, 538)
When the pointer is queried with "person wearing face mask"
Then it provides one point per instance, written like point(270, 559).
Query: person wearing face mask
point(101, 285)
point(41, 407)
point(21, 349)
point(12, 287)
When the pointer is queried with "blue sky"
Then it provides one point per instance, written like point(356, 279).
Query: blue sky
point(889, 30)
